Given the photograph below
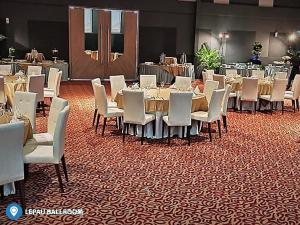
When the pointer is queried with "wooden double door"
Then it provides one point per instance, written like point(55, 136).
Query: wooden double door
point(85, 64)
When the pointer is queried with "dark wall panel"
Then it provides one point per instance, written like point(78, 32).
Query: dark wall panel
point(154, 41)
point(239, 46)
point(278, 45)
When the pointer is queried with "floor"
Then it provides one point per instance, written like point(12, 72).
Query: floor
point(249, 176)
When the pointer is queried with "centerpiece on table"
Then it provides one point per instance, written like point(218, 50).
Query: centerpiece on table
point(256, 53)
point(54, 55)
point(11, 53)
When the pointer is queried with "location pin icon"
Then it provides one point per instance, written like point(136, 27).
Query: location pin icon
point(14, 210)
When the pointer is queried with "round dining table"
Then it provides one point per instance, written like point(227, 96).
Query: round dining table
point(157, 102)
point(13, 84)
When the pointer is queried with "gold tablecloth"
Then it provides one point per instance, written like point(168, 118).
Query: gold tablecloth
point(158, 101)
point(28, 134)
point(11, 85)
point(175, 70)
point(264, 87)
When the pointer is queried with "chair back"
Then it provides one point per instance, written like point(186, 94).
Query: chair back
point(2, 94)
point(60, 134)
point(206, 76)
point(147, 81)
point(225, 99)
point(221, 79)
point(101, 99)
point(278, 90)
point(5, 70)
point(11, 152)
point(249, 89)
point(296, 86)
point(52, 77)
point(210, 72)
point(209, 87)
point(36, 85)
point(25, 104)
point(215, 105)
point(117, 83)
point(231, 72)
point(134, 106)
point(180, 106)
point(260, 74)
point(281, 75)
point(183, 83)
point(57, 105)
point(95, 81)
point(34, 70)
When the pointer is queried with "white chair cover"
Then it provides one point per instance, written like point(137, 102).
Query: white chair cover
point(5, 70)
point(183, 83)
point(117, 83)
point(36, 85)
point(220, 79)
point(147, 81)
point(34, 70)
point(209, 87)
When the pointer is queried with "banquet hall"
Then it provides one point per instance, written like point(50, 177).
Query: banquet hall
point(179, 112)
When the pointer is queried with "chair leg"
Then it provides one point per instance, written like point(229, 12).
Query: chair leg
point(241, 106)
point(134, 129)
point(271, 106)
point(254, 103)
point(124, 131)
point(104, 125)
point(59, 178)
point(154, 127)
point(297, 102)
point(169, 135)
point(63, 161)
point(225, 122)
point(21, 185)
point(209, 132)
point(189, 135)
point(282, 104)
point(234, 103)
point(259, 105)
point(182, 131)
point(294, 105)
point(142, 138)
point(97, 122)
point(43, 108)
point(95, 114)
point(162, 130)
point(219, 128)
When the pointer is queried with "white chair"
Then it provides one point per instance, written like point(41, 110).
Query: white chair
point(11, 156)
point(294, 94)
point(53, 86)
point(147, 81)
point(57, 105)
point(34, 70)
point(179, 114)
point(53, 154)
point(277, 94)
point(214, 111)
point(220, 79)
point(209, 87)
point(260, 74)
point(134, 111)
point(206, 76)
point(2, 94)
point(102, 107)
point(231, 72)
point(225, 105)
point(117, 83)
point(36, 85)
point(25, 104)
point(5, 70)
point(183, 83)
point(280, 75)
point(249, 92)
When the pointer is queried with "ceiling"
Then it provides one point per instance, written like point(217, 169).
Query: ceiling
point(277, 3)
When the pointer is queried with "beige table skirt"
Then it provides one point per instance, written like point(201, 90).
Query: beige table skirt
point(158, 101)
point(264, 87)
point(11, 85)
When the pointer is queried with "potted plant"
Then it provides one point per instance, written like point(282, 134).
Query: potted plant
point(256, 52)
point(207, 59)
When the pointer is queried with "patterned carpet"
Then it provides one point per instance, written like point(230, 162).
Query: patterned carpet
point(249, 176)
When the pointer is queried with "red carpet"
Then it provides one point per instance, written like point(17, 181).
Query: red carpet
point(249, 176)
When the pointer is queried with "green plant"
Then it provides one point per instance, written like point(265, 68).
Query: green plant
point(207, 58)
